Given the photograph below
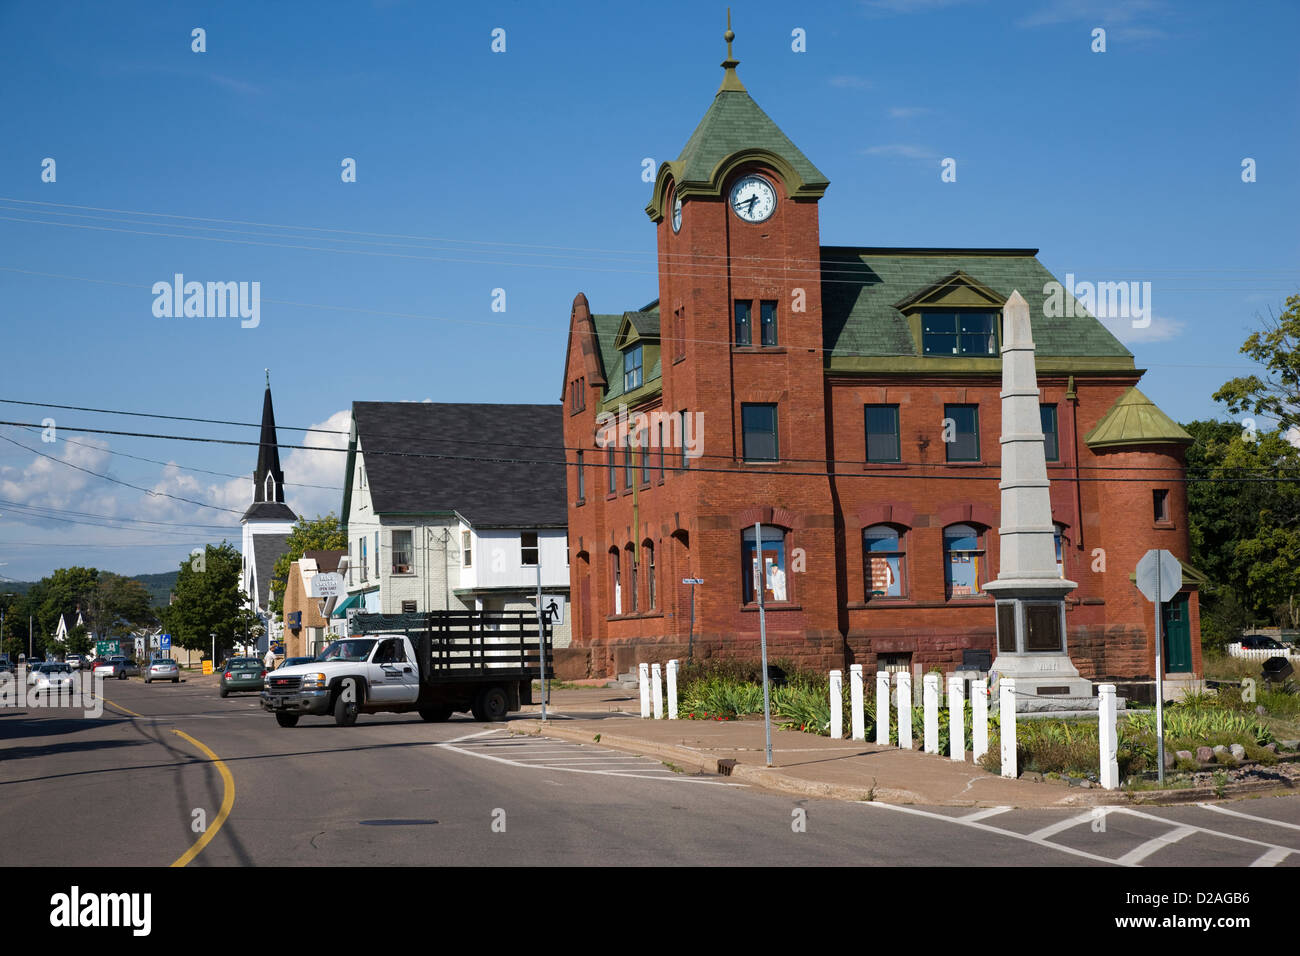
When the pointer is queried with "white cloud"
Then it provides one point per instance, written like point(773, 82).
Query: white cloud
point(1161, 329)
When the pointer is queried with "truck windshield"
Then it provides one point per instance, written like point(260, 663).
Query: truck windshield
point(349, 650)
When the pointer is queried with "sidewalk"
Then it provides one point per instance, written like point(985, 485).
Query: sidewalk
point(802, 763)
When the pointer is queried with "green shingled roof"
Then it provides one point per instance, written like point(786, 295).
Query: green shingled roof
point(1135, 420)
point(734, 123)
point(862, 287)
point(646, 322)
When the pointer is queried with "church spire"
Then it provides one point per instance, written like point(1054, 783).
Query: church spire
point(730, 81)
point(268, 479)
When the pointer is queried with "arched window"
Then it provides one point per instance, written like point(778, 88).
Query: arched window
point(617, 582)
point(648, 549)
point(774, 565)
point(883, 561)
point(631, 579)
point(963, 552)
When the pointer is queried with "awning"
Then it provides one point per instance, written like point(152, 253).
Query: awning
point(342, 609)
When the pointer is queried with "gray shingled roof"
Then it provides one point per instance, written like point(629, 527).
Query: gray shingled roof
point(489, 494)
point(269, 511)
point(267, 549)
point(861, 287)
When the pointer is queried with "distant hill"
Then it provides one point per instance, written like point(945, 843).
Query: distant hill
point(159, 586)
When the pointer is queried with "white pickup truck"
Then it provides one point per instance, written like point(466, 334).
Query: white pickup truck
point(436, 664)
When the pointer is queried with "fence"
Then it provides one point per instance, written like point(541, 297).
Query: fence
point(1260, 654)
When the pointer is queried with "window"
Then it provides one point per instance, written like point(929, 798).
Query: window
point(618, 581)
point(767, 317)
point(365, 561)
point(661, 452)
point(631, 579)
point(401, 552)
point(649, 550)
point(1160, 504)
point(1051, 440)
point(632, 368)
point(882, 433)
point(644, 442)
point(682, 433)
point(961, 432)
point(528, 548)
point(744, 334)
point(773, 551)
point(582, 484)
point(882, 547)
point(408, 607)
point(759, 425)
point(578, 395)
point(627, 463)
point(613, 482)
point(466, 551)
point(376, 554)
point(963, 556)
point(959, 333)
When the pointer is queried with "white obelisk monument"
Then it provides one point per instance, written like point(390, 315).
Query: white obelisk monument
point(1030, 591)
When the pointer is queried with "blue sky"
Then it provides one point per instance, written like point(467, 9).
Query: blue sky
point(522, 170)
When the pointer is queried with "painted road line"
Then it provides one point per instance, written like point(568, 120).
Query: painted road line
point(1248, 816)
point(1060, 826)
point(1215, 833)
point(976, 825)
point(472, 752)
point(227, 801)
point(1272, 858)
point(1144, 850)
point(982, 814)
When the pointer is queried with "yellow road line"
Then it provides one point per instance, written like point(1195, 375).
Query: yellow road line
point(121, 708)
point(227, 801)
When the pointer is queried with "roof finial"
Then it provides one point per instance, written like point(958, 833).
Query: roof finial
point(730, 81)
point(268, 377)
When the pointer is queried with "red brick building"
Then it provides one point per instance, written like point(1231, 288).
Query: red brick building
point(847, 398)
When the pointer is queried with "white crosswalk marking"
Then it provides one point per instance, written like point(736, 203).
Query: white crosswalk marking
point(1144, 850)
point(1273, 857)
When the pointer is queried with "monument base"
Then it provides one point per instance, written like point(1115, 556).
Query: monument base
point(1046, 682)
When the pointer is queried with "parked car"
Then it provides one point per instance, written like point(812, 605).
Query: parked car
point(162, 669)
point(6, 667)
point(293, 661)
point(242, 673)
point(1258, 642)
point(54, 677)
point(75, 661)
point(34, 669)
point(119, 667)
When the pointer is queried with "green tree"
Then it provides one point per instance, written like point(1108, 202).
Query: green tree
point(116, 606)
point(60, 593)
point(1275, 392)
point(208, 601)
point(79, 641)
point(309, 534)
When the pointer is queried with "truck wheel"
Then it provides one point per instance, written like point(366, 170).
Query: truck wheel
point(287, 720)
point(345, 711)
point(491, 704)
point(436, 715)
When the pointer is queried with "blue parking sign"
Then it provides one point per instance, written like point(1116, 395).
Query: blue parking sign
point(166, 642)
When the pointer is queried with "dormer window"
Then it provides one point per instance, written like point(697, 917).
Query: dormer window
point(959, 333)
point(632, 368)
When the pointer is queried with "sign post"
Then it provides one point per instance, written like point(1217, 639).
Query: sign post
point(1159, 577)
point(690, 645)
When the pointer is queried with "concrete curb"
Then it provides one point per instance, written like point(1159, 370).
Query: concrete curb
point(774, 779)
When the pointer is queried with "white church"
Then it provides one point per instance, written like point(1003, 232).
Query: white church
point(266, 527)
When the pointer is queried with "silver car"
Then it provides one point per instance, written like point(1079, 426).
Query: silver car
point(162, 669)
point(54, 677)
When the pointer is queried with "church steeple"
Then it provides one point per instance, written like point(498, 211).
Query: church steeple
point(268, 478)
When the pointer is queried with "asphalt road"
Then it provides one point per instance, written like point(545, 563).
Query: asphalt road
point(394, 790)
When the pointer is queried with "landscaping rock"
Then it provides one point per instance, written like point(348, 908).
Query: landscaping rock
point(1220, 749)
point(1184, 755)
point(1204, 754)
point(1261, 710)
point(1290, 744)
point(1238, 751)
point(1170, 756)
point(1271, 748)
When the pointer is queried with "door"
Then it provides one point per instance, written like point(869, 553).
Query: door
point(392, 677)
point(1178, 636)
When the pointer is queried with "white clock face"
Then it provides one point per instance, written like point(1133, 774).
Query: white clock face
point(677, 214)
point(753, 199)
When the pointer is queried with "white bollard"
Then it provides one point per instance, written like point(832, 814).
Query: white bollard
point(1007, 722)
point(657, 690)
point(882, 708)
point(979, 717)
point(837, 705)
point(956, 719)
point(905, 711)
point(643, 677)
point(856, 703)
point(930, 702)
point(1108, 734)
point(672, 689)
